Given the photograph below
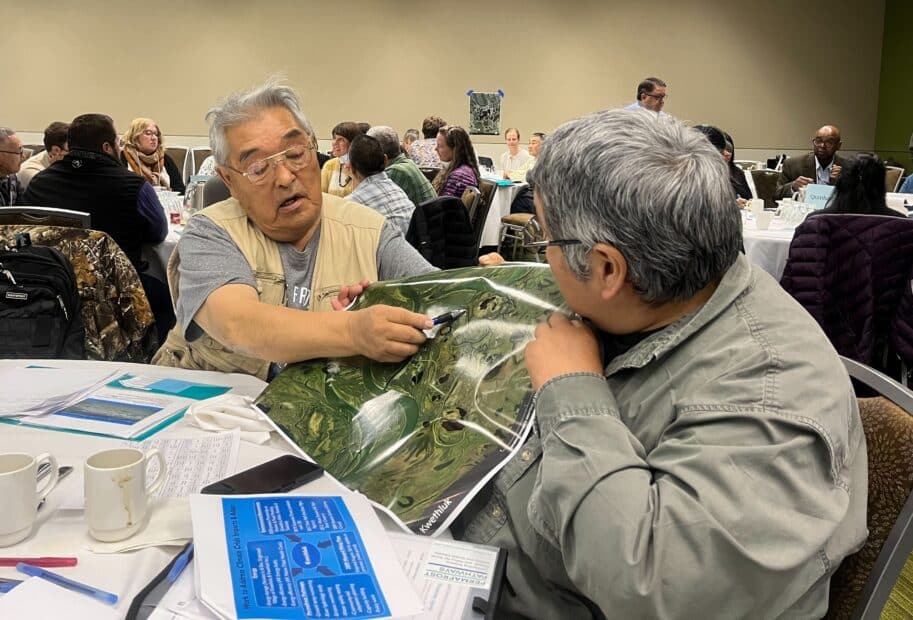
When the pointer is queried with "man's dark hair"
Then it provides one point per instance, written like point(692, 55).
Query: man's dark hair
point(363, 127)
point(648, 86)
point(55, 135)
point(366, 156)
point(90, 131)
point(714, 134)
point(431, 125)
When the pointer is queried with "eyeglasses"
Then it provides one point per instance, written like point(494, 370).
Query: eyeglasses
point(150, 133)
point(825, 142)
point(531, 240)
point(20, 152)
point(295, 158)
point(657, 97)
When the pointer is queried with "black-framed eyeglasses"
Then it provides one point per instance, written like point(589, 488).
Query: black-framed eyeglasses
point(531, 245)
point(658, 97)
point(19, 152)
point(825, 142)
point(295, 158)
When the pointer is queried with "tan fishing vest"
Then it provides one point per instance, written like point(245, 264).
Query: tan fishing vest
point(346, 254)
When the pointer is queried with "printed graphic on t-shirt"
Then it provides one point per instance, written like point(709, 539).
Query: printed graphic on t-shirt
point(300, 297)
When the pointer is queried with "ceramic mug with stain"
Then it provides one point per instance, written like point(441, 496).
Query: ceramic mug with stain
point(117, 494)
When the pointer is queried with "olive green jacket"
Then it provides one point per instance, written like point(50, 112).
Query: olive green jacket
point(717, 470)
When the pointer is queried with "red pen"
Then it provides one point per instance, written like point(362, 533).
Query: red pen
point(44, 562)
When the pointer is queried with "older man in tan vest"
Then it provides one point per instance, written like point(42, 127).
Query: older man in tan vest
point(254, 277)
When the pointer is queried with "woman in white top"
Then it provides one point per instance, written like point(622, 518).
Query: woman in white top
point(514, 157)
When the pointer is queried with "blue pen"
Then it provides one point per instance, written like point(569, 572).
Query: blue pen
point(180, 563)
point(69, 584)
point(448, 317)
point(8, 584)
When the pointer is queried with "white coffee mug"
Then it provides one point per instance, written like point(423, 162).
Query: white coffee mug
point(20, 493)
point(117, 496)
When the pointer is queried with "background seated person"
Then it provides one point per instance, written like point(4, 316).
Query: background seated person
point(372, 186)
point(860, 189)
point(461, 165)
point(254, 275)
point(822, 166)
point(697, 450)
point(400, 168)
point(144, 153)
point(10, 161)
point(55, 147)
point(424, 151)
point(91, 178)
point(907, 187)
point(334, 178)
point(410, 136)
point(514, 158)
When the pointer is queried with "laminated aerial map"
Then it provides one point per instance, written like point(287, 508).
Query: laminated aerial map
point(421, 437)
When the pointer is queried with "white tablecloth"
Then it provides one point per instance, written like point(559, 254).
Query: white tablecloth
point(500, 206)
point(64, 533)
point(769, 248)
point(157, 255)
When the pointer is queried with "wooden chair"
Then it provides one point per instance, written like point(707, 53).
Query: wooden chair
point(46, 216)
point(867, 581)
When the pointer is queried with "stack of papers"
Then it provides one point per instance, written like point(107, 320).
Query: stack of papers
point(96, 401)
point(37, 391)
point(293, 556)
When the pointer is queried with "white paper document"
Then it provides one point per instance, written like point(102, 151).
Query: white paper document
point(116, 411)
point(192, 463)
point(37, 391)
point(37, 598)
point(447, 575)
point(294, 556)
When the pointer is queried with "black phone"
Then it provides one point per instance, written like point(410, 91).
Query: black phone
point(280, 475)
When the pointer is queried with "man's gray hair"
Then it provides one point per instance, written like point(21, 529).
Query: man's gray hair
point(242, 106)
point(6, 133)
point(388, 139)
point(650, 186)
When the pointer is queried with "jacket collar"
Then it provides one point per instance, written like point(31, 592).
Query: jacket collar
point(77, 158)
point(735, 281)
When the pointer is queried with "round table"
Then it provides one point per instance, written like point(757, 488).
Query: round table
point(769, 248)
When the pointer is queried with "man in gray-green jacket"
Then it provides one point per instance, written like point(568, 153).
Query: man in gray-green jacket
point(400, 169)
point(698, 451)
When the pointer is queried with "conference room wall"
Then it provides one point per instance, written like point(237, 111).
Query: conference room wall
point(768, 73)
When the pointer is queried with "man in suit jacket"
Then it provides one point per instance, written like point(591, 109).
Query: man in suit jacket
point(822, 166)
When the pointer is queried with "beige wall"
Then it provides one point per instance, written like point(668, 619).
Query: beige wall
point(768, 72)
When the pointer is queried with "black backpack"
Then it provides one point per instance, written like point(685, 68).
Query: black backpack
point(39, 304)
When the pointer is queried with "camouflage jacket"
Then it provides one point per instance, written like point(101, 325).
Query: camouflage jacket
point(118, 320)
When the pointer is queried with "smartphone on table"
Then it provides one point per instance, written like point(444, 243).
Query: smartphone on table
point(279, 475)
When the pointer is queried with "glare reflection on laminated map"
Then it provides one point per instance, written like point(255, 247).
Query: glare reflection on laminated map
point(421, 436)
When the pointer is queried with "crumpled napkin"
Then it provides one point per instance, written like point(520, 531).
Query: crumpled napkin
point(230, 411)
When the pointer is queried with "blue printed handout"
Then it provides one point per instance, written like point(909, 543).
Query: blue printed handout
point(299, 557)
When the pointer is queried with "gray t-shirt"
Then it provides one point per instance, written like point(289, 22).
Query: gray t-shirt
point(210, 259)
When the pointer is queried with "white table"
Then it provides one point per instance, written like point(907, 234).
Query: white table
point(64, 533)
point(500, 206)
point(769, 248)
point(157, 255)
